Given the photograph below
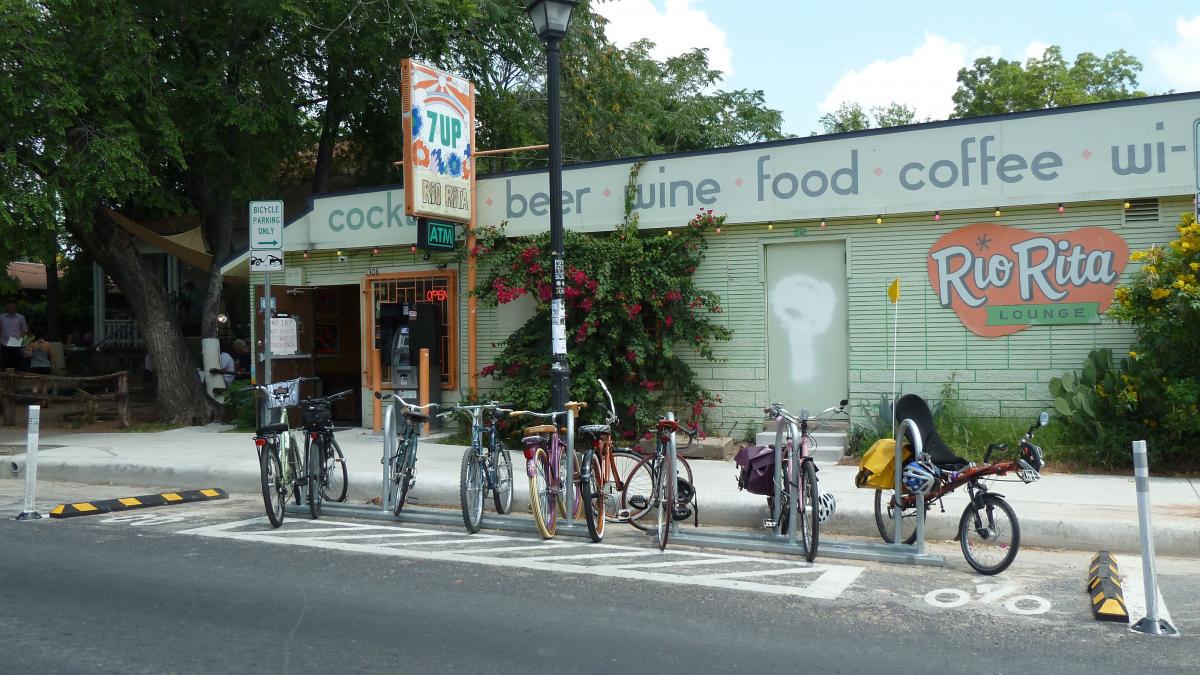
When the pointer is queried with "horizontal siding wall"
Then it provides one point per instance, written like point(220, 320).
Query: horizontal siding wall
point(1004, 376)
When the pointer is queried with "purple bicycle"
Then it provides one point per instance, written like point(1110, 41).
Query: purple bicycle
point(544, 448)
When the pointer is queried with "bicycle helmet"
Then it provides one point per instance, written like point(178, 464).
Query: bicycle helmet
point(684, 493)
point(1031, 455)
point(826, 506)
point(920, 476)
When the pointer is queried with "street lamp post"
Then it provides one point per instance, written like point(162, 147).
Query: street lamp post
point(550, 19)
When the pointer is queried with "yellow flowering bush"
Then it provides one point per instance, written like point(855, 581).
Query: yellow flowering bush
point(1162, 375)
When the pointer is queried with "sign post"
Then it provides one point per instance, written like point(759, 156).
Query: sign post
point(266, 255)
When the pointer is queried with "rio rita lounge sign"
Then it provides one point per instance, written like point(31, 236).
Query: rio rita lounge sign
point(1000, 280)
point(439, 123)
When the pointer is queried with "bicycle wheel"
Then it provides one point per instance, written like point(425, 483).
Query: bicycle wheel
point(593, 499)
point(402, 472)
point(639, 491)
point(503, 492)
point(807, 513)
point(989, 534)
point(295, 466)
point(274, 495)
point(470, 490)
point(544, 515)
point(312, 471)
point(623, 461)
point(334, 482)
point(885, 522)
point(664, 503)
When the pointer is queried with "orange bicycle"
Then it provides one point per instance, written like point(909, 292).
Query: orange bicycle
point(602, 473)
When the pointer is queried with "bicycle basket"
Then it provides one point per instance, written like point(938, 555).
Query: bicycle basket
point(316, 415)
point(287, 400)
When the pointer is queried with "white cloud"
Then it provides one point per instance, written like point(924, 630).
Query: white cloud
point(1180, 62)
point(925, 80)
point(676, 28)
point(1036, 49)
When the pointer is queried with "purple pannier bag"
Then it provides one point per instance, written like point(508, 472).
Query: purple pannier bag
point(757, 469)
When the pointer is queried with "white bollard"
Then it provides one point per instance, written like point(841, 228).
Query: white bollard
point(31, 447)
point(1151, 624)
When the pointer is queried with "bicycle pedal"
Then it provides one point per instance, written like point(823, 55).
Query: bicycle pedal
point(768, 523)
point(622, 514)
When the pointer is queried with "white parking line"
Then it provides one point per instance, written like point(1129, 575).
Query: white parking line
point(676, 563)
point(589, 556)
point(760, 573)
point(827, 582)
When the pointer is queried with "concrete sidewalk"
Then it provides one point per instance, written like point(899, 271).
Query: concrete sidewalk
point(1060, 511)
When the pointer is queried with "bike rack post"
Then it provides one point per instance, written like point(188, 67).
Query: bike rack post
point(777, 503)
point(568, 466)
point(31, 448)
point(671, 458)
point(1150, 624)
point(389, 440)
point(911, 427)
point(793, 487)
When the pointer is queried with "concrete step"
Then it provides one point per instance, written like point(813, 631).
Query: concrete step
point(830, 445)
point(833, 424)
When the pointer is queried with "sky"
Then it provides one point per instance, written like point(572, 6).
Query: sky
point(808, 57)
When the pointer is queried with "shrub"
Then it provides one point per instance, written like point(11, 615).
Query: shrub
point(633, 308)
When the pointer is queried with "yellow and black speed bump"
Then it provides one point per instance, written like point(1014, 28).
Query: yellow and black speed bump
point(141, 502)
point(1104, 587)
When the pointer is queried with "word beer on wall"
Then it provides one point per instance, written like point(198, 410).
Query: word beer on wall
point(439, 123)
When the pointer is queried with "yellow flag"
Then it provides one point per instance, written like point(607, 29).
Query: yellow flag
point(894, 290)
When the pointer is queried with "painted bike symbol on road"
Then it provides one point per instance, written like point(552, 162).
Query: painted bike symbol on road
point(1024, 604)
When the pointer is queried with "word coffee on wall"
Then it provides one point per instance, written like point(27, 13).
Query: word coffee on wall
point(439, 121)
point(1000, 280)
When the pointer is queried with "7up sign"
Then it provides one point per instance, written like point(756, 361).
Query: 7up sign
point(439, 121)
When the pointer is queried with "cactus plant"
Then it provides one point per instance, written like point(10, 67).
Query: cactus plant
point(1080, 398)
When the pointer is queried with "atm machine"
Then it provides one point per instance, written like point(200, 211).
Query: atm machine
point(407, 329)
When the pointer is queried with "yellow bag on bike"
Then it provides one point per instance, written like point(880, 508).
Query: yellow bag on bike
point(876, 470)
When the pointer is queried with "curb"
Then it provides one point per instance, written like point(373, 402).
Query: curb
point(140, 502)
point(441, 489)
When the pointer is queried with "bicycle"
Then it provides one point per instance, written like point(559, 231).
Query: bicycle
point(670, 496)
point(324, 461)
point(808, 509)
point(486, 467)
point(982, 536)
point(281, 470)
point(402, 461)
point(543, 456)
point(602, 473)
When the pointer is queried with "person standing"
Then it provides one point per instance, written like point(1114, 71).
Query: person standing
point(13, 330)
point(39, 360)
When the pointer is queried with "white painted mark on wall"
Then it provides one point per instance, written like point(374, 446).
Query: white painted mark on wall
point(804, 307)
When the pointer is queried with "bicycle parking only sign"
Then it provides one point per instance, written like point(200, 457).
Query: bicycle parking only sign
point(266, 236)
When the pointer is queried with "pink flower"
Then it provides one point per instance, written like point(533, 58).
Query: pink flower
point(488, 370)
point(544, 292)
point(669, 321)
point(674, 295)
point(586, 304)
point(514, 369)
point(630, 355)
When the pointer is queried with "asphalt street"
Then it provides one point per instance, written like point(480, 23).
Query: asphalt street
point(212, 588)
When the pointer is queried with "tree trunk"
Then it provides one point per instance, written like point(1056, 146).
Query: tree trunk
point(218, 232)
point(53, 322)
point(180, 398)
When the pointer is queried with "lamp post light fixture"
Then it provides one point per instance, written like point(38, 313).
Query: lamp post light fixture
point(550, 19)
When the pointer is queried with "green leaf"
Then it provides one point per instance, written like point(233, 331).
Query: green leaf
point(1056, 387)
point(1088, 376)
point(1062, 407)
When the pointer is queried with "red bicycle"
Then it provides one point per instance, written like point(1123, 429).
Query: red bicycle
point(988, 530)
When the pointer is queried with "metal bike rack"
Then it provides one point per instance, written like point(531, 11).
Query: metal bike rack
point(774, 542)
point(435, 516)
point(778, 542)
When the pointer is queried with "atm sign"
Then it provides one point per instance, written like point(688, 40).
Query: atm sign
point(435, 235)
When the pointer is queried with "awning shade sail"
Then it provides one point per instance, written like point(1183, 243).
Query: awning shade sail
point(187, 246)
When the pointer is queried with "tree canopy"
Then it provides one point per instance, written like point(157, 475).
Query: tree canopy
point(850, 116)
point(992, 86)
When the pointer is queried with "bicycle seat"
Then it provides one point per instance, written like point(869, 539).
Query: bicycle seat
point(594, 429)
point(416, 416)
point(540, 429)
point(913, 407)
point(270, 429)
